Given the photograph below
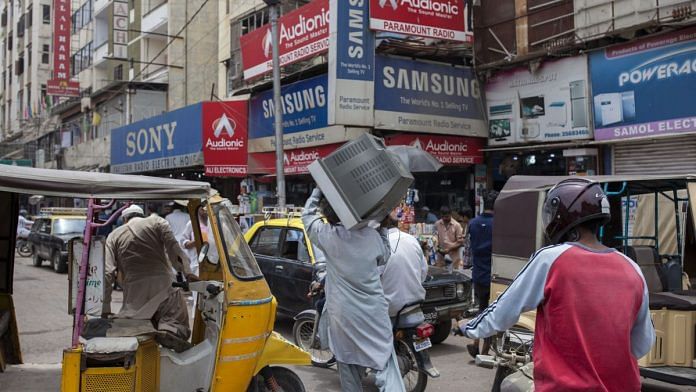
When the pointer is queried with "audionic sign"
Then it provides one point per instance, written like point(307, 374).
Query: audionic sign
point(427, 97)
point(449, 150)
point(294, 161)
point(439, 19)
point(646, 87)
point(303, 33)
point(60, 84)
point(225, 138)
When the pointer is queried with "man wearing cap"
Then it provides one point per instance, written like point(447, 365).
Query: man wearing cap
point(143, 251)
point(178, 219)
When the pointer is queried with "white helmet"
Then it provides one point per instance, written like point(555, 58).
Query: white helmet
point(134, 209)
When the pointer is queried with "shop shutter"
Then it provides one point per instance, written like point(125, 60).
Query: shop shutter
point(670, 156)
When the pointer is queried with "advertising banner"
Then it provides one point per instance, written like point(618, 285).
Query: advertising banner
point(60, 84)
point(547, 106)
point(439, 19)
point(225, 138)
point(167, 141)
point(351, 65)
point(303, 33)
point(427, 97)
point(295, 161)
point(120, 31)
point(449, 150)
point(646, 87)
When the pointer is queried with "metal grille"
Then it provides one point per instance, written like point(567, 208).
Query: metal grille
point(349, 152)
point(109, 382)
point(439, 293)
point(148, 367)
point(672, 156)
point(373, 173)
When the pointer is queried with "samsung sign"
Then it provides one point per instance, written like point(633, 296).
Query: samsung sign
point(168, 141)
point(427, 97)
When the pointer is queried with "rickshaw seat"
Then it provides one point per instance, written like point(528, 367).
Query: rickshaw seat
point(111, 345)
point(648, 260)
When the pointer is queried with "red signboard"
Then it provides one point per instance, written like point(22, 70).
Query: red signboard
point(61, 84)
point(449, 150)
point(303, 33)
point(295, 161)
point(439, 19)
point(225, 138)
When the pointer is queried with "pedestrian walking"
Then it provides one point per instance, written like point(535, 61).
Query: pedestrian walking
point(450, 238)
point(355, 317)
point(592, 319)
point(481, 247)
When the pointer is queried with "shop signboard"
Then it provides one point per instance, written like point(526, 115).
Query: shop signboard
point(548, 105)
point(305, 122)
point(60, 84)
point(438, 19)
point(449, 150)
point(225, 138)
point(427, 97)
point(168, 141)
point(645, 88)
point(303, 33)
point(16, 162)
point(351, 64)
point(294, 161)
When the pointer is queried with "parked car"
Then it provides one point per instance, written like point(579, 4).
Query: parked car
point(286, 258)
point(50, 235)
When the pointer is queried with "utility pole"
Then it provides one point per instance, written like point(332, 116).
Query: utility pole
point(280, 174)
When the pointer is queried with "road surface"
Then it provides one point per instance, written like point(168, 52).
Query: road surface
point(45, 329)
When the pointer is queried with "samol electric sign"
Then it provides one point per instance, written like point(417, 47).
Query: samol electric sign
point(439, 19)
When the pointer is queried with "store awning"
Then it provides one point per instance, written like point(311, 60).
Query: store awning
point(581, 143)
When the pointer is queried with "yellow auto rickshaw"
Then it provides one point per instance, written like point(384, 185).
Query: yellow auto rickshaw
point(234, 347)
point(652, 223)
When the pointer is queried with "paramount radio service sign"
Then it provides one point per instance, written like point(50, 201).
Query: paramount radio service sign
point(439, 19)
point(303, 33)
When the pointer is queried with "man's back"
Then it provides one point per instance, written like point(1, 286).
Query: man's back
point(405, 271)
point(177, 221)
point(481, 243)
point(585, 321)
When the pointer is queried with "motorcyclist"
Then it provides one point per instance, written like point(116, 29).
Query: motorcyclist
point(592, 321)
point(23, 225)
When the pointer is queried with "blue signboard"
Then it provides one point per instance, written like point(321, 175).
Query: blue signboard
point(167, 141)
point(303, 105)
point(426, 97)
point(351, 64)
point(646, 87)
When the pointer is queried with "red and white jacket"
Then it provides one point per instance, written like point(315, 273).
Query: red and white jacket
point(592, 322)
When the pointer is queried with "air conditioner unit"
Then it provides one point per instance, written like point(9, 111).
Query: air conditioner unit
point(361, 180)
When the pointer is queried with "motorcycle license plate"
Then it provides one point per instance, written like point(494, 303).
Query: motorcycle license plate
point(430, 317)
point(422, 344)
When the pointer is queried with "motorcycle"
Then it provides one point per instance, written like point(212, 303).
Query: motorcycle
point(23, 247)
point(512, 360)
point(411, 342)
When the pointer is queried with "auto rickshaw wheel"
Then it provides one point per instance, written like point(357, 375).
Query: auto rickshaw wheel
point(57, 264)
point(276, 378)
point(442, 331)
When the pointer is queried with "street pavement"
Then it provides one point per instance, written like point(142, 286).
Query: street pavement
point(40, 297)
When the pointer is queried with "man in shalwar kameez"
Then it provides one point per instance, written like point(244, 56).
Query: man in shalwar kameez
point(143, 252)
point(355, 317)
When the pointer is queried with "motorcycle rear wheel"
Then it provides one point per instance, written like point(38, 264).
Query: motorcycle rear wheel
point(24, 250)
point(302, 332)
point(414, 379)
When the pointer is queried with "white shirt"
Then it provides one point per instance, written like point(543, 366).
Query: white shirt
point(177, 221)
point(405, 272)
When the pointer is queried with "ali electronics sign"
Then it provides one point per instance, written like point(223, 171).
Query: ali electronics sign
point(449, 150)
point(304, 33)
point(60, 84)
point(182, 138)
point(439, 19)
point(225, 138)
point(294, 161)
point(645, 88)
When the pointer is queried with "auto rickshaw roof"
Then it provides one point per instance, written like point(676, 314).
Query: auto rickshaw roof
point(636, 184)
point(69, 183)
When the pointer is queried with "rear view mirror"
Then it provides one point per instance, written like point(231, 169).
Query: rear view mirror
point(204, 253)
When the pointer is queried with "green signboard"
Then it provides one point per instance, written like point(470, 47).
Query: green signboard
point(16, 162)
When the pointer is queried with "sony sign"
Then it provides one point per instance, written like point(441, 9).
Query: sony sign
point(149, 140)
